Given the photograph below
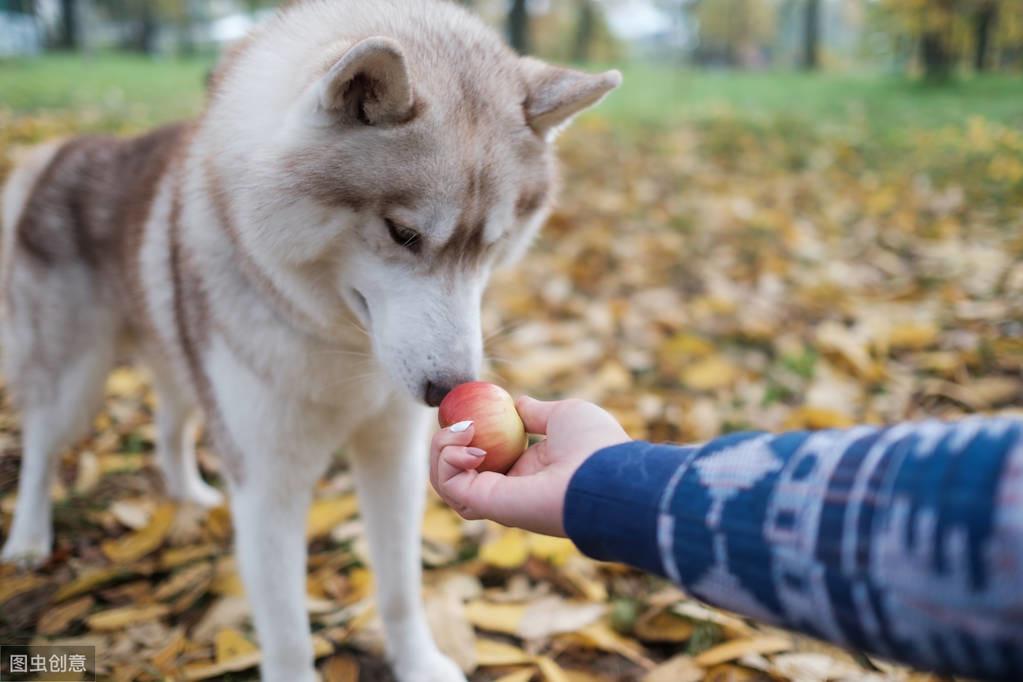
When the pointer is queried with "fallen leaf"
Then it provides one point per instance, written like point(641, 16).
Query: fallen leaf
point(550, 670)
point(728, 651)
point(815, 418)
point(509, 550)
point(660, 625)
point(12, 587)
point(451, 629)
point(554, 615)
point(491, 653)
point(58, 618)
point(340, 668)
point(710, 374)
point(681, 668)
point(324, 515)
point(503, 618)
point(523, 675)
point(229, 644)
point(119, 618)
point(136, 545)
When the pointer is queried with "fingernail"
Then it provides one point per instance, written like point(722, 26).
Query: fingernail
point(476, 452)
point(461, 426)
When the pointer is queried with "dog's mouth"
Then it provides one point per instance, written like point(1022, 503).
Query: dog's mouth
point(359, 306)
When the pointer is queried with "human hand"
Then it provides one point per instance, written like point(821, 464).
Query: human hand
point(532, 494)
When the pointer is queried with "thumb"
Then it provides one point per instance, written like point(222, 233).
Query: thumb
point(535, 413)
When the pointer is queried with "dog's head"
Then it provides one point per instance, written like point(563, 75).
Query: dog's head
point(414, 161)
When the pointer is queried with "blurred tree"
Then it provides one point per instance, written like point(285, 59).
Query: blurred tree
point(811, 35)
point(949, 31)
point(518, 26)
point(584, 31)
point(69, 29)
point(984, 23)
point(733, 31)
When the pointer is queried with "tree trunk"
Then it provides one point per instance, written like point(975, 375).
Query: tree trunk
point(936, 59)
point(145, 31)
point(983, 28)
point(518, 26)
point(69, 37)
point(811, 35)
point(584, 32)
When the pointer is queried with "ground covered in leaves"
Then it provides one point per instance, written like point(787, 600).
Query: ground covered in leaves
point(716, 275)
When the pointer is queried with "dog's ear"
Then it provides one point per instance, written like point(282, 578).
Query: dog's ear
point(555, 94)
point(368, 84)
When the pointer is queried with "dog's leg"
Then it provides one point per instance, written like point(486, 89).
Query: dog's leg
point(48, 427)
point(176, 431)
point(390, 464)
point(284, 448)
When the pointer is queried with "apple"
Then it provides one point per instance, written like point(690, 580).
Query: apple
point(498, 429)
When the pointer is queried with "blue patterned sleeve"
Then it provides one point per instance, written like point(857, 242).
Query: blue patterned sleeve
point(906, 542)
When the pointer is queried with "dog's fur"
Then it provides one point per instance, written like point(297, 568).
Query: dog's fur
point(246, 259)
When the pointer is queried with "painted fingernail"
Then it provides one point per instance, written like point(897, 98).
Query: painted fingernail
point(476, 452)
point(461, 426)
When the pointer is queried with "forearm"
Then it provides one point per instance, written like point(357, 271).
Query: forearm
point(907, 541)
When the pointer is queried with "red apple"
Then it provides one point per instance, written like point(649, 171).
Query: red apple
point(498, 429)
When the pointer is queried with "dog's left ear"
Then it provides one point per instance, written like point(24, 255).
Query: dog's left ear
point(368, 84)
point(556, 94)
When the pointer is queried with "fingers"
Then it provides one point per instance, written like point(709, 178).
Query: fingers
point(535, 413)
point(455, 459)
point(459, 434)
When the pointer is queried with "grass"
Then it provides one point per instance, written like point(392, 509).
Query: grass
point(651, 95)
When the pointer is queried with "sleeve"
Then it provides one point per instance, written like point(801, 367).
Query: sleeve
point(906, 542)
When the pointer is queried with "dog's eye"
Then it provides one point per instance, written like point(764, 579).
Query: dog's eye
point(403, 236)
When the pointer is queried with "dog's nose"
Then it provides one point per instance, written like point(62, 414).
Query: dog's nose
point(435, 392)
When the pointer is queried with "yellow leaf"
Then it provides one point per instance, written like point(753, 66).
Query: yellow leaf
point(93, 578)
point(814, 418)
point(13, 586)
point(136, 545)
point(124, 382)
point(491, 653)
point(341, 668)
point(550, 670)
point(710, 374)
point(179, 556)
point(555, 550)
point(188, 578)
point(522, 675)
point(442, 525)
point(912, 336)
point(659, 625)
point(326, 514)
point(230, 644)
point(600, 636)
point(360, 585)
point(57, 619)
point(121, 461)
point(681, 668)
point(509, 550)
point(228, 582)
point(165, 659)
point(116, 619)
point(722, 653)
point(504, 618)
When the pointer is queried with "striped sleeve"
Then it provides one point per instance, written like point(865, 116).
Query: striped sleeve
point(906, 541)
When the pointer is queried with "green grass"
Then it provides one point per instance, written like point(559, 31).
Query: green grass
point(155, 89)
point(651, 95)
point(654, 94)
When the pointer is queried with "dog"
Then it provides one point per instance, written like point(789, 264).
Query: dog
point(303, 264)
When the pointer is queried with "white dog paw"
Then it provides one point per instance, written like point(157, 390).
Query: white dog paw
point(30, 553)
point(433, 668)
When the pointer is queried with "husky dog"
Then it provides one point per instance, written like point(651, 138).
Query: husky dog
point(304, 264)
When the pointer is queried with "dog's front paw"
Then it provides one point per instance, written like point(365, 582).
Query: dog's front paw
point(26, 552)
point(435, 667)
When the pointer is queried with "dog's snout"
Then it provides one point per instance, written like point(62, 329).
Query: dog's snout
point(436, 390)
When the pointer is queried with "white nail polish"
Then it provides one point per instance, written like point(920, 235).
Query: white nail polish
point(460, 426)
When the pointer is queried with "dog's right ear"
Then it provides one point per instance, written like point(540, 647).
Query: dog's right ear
point(368, 84)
